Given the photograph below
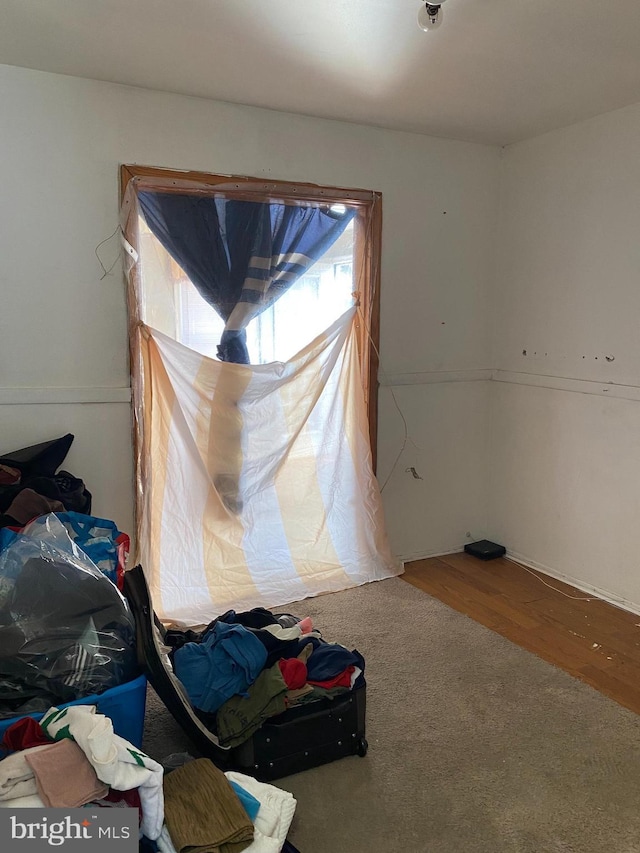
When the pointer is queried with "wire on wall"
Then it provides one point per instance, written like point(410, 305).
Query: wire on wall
point(118, 256)
point(366, 321)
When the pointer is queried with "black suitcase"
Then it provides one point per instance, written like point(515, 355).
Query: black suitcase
point(302, 737)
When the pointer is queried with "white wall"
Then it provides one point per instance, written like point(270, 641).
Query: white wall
point(63, 329)
point(565, 491)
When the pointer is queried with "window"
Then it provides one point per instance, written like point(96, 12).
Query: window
point(326, 289)
point(254, 485)
point(310, 305)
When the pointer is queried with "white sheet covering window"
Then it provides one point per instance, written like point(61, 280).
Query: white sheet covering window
point(254, 482)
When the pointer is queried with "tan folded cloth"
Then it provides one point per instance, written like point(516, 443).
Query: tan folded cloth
point(202, 811)
point(64, 777)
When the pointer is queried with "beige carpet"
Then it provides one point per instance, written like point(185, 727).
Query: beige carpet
point(475, 746)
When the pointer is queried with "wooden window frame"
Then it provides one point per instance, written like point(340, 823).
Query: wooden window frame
point(367, 248)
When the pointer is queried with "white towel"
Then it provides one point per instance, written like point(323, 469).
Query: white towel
point(30, 802)
point(17, 779)
point(164, 842)
point(273, 820)
point(117, 762)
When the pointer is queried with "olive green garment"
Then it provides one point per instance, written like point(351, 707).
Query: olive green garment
point(241, 716)
point(202, 811)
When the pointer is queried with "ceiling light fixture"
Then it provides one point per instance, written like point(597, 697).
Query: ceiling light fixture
point(430, 16)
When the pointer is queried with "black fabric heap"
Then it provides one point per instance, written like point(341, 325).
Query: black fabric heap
point(37, 466)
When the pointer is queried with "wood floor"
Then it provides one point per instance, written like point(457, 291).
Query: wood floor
point(592, 640)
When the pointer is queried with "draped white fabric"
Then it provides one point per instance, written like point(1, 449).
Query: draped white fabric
point(255, 481)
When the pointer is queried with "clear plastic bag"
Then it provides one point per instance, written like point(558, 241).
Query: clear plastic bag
point(65, 629)
point(100, 540)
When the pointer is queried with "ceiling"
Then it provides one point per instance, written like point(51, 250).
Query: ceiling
point(496, 71)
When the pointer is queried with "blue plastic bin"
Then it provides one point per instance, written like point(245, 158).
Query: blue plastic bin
point(125, 705)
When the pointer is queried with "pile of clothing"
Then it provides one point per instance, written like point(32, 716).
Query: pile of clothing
point(73, 759)
point(208, 810)
point(246, 667)
point(66, 631)
point(31, 484)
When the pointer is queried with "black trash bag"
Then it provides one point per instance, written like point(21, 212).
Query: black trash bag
point(66, 632)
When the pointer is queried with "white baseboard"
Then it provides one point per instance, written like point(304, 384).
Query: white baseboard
point(595, 591)
point(425, 555)
point(515, 557)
